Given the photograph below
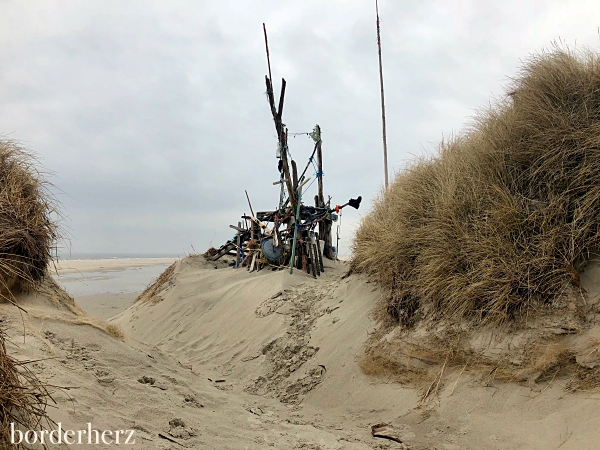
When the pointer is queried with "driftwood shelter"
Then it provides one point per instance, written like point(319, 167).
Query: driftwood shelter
point(294, 234)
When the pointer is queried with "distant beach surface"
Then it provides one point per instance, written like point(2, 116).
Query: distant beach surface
point(106, 284)
point(66, 256)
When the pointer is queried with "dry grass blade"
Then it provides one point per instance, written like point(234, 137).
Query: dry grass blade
point(23, 398)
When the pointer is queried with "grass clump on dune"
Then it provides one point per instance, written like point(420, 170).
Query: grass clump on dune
point(153, 288)
point(28, 232)
point(506, 214)
point(23, 398)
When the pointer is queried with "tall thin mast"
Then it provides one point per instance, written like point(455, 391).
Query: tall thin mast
point(385, 163)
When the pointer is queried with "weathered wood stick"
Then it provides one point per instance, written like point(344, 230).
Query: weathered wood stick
point(282, 137)
point(224, 251)
point(320, 180)
point(319, 254)
point(249, 204)
point(286, 172)
point(267, 47)
point(281, 96)
point(320, 169)
point(294, 175)
point(240, 229)
point(304, 182)
point(239, 245)
point(296, 229)
point(308, 164)
point(271, 99)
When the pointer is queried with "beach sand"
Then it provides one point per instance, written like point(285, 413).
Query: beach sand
point(105, 287)
point(226, 359)
point(108, 265)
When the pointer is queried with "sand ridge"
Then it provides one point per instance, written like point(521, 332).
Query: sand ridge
point(297, 340)
point(223, 358)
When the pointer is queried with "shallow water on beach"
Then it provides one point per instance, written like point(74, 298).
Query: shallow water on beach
point(126, 281)
point(107, 292)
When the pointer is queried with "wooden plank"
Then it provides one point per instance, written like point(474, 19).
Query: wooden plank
point(224, 250)
point(240, 229)
point(320, 255)
point(239, 245)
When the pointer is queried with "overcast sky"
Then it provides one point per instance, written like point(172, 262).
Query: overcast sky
point(153, 115)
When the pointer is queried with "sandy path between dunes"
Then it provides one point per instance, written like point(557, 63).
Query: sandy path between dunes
point(226, 359)
point(114, 385)
point(295, 340)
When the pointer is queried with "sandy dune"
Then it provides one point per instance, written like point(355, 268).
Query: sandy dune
point(296, 339)
point(226, 359)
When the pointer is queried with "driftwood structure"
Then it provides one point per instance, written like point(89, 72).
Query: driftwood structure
point(294, 234)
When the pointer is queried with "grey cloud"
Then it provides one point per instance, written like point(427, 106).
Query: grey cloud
point(154, 115)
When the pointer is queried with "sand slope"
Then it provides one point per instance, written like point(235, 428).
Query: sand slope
point(118, 385)
point(292, 343)
point(224, 359)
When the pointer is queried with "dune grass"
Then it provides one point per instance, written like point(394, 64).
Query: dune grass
point(28, 225)
point(506, 214)
point(23, 398)
point(152, 289)
point(28, 235)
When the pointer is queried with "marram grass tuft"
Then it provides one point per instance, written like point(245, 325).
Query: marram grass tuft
point(506, 214)
point(28, 238)
point(28, 214)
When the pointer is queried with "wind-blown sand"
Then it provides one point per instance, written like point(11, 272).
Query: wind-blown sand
point(268, 360)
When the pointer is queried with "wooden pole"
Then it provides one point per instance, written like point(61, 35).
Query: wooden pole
point(267, 47)
point(282, 137)
point(311, 157)
point(385, 162)
point(253, 216)
point(297, 218)
point(239, 246)
point(281, 96)
point(249, 204)
point(320, 168)
point(294, 175)
point(321, 202)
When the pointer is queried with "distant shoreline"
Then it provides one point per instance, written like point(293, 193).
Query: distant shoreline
point(108, 256)
point(109, 264)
